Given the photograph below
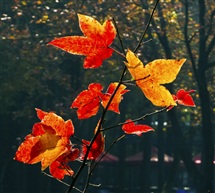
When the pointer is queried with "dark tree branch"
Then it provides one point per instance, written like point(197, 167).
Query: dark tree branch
point(210, 24)
point(186, 37)
point(210, 65)
point(146, 28)
point(210, 46)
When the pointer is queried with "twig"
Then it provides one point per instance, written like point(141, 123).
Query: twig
point(60, 181)
point(118, 34)
point(113, 143)
point(137, 119)
point(146, 28)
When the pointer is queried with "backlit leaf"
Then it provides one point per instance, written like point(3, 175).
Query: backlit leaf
point(94, 44)
point(88, 101)
point(151, 77)
point(48, 141)
point(130, 128)
point(183, 97)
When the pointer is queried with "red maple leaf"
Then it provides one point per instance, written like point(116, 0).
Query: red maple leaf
point(94, 44)
point(130, 128)
point(183, 97)
point(48, 141)
point(88, 101)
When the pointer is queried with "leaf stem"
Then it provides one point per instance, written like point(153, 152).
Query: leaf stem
point(137, 119)
point(146, 28)
point(113, 143)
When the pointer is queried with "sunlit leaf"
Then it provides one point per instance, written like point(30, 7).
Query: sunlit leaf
point(94, 44)
point(131, 128)
point(48, 141)
point(88, 101)
point(183, 97)
point(151, 77)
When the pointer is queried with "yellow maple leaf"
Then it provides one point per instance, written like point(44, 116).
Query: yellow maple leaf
point(151, 76)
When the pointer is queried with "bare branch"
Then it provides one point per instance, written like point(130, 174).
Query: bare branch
point(146, 28)
point(186, 37)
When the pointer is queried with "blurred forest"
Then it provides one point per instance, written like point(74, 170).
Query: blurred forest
point(179, 155)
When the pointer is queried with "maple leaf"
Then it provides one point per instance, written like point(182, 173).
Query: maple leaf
point(88, 101)
point(94, 44)
point(183, 97)
point(59, 168)
point(152, 76)
point(48, 141)
point(130, 128)
point(114, 105)
point(97, 147)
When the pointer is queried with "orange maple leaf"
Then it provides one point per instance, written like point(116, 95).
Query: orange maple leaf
point(94, 44)
point(152, 76)
point(47, 142)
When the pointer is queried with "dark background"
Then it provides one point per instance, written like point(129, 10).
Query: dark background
point(33, 74)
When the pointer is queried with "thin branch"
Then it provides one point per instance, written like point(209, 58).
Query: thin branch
point(123, 55)
point(137, 119)
point(61, 181)
point(88, 179)
point(210, 24)
point(210, 65)
point(186, 37)
point(90, 170)
point(210, 46)
point(119, 37)
point(146, 28)
point(112, 144)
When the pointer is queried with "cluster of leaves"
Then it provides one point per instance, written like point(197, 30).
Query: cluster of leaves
point(49, 142)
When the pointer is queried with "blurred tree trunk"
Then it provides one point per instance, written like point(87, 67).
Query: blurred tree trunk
point(146, 166)
point(200, 66)
point(181, 147)
point(160, 152)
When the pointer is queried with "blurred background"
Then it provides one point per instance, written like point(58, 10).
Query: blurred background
point(177, 157)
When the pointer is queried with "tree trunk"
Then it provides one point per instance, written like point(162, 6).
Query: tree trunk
point(199, 72)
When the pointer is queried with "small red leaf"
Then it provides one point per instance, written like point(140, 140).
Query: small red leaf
point(184, 98)
point(88, 101)
point(130, 128)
